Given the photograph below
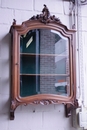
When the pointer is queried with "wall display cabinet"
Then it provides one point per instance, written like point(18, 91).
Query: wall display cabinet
point(42, 63)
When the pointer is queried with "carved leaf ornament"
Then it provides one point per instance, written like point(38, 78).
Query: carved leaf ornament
point(45, 17)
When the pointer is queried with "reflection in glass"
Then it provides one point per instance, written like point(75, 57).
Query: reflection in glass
point(44, 63)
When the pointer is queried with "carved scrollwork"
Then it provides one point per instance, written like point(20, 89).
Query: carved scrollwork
point(45, 17)
point(45, 102)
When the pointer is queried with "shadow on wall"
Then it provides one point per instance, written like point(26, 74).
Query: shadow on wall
point(5, 44)
point(5, 60)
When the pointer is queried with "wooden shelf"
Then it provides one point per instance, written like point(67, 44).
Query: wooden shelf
point(46, 75)
point(34, 54)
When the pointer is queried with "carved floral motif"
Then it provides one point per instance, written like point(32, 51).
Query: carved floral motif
point(53, 101)
point(45, 17)
point(45, 102)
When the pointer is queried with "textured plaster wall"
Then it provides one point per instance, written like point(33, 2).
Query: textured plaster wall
point(31, 117)
point(84, 49)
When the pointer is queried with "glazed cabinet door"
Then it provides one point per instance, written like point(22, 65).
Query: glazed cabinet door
point(44, 63)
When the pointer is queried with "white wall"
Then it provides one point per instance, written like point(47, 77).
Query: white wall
point(84, 43)
point(31, 117)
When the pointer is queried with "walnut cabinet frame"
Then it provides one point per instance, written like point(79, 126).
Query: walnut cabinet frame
point(48, 22)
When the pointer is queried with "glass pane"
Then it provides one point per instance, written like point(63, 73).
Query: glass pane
point(25, 42)
point(28, 85)
point(32, 85)
point(44, 63)
point(27, 64)
point(55, 85)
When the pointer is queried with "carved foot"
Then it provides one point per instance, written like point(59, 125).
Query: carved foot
point(11, 115)
point(68, 108)
point(12, 109)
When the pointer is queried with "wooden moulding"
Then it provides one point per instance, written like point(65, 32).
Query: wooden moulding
point(45, 21)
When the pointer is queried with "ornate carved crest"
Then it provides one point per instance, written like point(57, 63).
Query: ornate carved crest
point(45, 17)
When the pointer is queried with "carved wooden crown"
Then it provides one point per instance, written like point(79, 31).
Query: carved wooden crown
point(45, 17)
